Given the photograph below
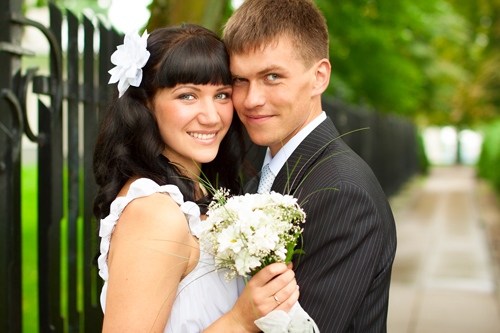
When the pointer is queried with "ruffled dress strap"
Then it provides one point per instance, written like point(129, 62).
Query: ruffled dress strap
point(142, 187)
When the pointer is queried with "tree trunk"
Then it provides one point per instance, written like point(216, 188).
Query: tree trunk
point(458, 160)
point(208, 13)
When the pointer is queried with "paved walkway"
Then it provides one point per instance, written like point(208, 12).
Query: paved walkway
point(443, 277)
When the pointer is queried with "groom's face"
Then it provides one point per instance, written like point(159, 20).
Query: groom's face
point(272, 92)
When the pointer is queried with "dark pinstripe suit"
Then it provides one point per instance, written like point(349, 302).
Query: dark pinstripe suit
point(349, 235)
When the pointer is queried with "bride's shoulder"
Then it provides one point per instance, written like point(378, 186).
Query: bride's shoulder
point(151, 212)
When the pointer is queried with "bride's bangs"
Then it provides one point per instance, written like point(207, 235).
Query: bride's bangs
point(196, 60)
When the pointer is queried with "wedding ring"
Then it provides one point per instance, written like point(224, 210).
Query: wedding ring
point(276, 299)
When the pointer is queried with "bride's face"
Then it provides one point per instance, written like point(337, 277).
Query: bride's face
point(193, 120)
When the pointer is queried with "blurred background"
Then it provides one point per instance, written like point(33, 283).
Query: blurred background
point(433, 63)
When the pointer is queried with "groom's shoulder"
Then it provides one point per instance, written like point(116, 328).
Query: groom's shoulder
point(338, 164)
point(351, 177)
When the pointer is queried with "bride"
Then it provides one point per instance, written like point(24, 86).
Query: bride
point(173, 114)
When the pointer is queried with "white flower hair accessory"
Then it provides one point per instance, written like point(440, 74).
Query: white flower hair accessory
point(129, 58)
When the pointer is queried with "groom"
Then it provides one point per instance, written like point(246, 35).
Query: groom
point(280, 66)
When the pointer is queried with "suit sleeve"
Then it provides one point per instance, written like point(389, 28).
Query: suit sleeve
point(343, 280)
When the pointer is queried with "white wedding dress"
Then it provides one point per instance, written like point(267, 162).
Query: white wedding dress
point(203, 295)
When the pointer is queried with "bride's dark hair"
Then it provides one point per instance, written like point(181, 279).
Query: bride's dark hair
point(129, 142)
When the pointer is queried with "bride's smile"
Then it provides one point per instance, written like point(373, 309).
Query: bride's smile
point(202, 136)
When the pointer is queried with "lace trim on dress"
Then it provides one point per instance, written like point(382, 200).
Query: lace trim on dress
point(142, 187)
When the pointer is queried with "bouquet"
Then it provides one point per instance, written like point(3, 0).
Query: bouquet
point(247, 232)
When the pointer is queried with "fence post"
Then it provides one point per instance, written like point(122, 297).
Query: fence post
point(50, 192)
point(92, 281)
point(11, 129)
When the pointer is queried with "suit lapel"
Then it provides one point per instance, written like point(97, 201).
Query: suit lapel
point(303, 157)
point(252, 185)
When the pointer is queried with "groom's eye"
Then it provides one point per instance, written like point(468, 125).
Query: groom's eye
point(273, 77)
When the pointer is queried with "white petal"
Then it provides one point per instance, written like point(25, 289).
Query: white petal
point(145, 57)
point(138, 79)
point(122, 87)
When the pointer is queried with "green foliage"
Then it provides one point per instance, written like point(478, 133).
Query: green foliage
point(399, 56)
point(489, 160)
point(478, 99)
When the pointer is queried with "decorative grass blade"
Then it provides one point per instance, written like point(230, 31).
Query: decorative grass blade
point(326, 144)
point(315, 166)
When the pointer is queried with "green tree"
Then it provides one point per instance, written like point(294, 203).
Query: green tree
point(398, 56)
point(478, 99)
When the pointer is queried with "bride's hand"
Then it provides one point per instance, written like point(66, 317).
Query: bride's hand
point(272, 288)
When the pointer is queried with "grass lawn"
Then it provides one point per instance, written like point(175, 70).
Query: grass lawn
point(29, 248)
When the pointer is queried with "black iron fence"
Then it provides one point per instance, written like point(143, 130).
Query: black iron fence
point(79, 83)
point(389, 144)
point(77, 87)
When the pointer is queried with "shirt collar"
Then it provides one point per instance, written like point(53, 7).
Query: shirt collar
point(277, 162)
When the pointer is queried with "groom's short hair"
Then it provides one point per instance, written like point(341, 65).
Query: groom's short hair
point(257, 23)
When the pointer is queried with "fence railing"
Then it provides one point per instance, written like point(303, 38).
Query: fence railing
point(389, 145)
point(78, 91)
point(78, 83)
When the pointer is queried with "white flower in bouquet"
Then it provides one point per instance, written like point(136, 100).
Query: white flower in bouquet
point(247, 232)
